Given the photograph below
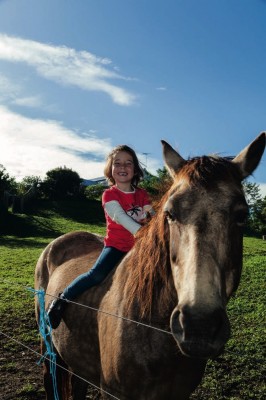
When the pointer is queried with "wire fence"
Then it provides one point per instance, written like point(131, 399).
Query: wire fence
point(138, 323)
point(52, 361)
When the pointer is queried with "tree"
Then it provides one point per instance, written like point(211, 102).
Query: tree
point(252, 193)
point(163, 174)
point(156, 186)
point(257, 208)
point(60, 183)
point(7, 183)
point(262, 216)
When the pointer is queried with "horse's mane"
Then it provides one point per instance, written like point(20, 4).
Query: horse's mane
point(149, 264)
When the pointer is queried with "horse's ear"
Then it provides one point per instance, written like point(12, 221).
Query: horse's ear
point(248, 159)
point(173, 161)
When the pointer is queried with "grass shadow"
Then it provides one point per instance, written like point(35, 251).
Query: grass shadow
point(21, 225)
point(42, 219)
point(82, 211)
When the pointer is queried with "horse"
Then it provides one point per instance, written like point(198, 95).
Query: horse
point(148, 330)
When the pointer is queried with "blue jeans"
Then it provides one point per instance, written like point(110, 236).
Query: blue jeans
point(108, 259)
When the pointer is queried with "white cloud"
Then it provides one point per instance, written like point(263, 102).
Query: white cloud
point(8, 90)
point(30, 101)
point(34, 146)
point(262, 187)
point(66, 66)
point(12, 93)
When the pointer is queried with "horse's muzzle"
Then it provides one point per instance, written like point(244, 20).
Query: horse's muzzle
point(199, 333)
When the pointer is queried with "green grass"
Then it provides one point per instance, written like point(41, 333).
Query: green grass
point(238, 374)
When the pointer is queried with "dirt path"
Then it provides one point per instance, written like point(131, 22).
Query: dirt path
point(20, 376)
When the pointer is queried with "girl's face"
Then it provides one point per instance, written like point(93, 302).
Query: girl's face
point(123, 169)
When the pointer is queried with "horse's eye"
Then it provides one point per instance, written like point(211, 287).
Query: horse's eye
point(241, 217)
point(169, 215)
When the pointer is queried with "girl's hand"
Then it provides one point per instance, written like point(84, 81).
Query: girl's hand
point(144, 221)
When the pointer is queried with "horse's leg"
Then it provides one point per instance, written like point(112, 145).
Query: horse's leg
point(47, 378)
point(62, 378)
point(79, 388)
point(47, 381)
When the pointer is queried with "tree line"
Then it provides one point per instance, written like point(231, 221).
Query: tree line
point(64, 183)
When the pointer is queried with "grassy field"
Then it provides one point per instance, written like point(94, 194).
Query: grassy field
point(238, 374)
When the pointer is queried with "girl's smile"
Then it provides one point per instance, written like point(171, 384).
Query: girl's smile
point(123, 170)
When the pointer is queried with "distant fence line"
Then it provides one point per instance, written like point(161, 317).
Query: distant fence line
point(18, 203)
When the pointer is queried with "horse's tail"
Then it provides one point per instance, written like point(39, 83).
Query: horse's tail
point(63, 378)
point(41, 276)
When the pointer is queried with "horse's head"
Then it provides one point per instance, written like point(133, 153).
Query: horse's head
point(206, 211)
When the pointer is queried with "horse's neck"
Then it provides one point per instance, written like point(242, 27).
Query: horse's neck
point(160, 300)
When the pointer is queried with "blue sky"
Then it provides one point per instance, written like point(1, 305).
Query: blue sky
point(78, 77)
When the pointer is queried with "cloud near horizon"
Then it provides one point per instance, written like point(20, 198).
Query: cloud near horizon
point(34, 146)
point(67, 66)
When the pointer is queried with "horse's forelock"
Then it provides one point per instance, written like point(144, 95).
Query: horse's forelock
point(208, 170)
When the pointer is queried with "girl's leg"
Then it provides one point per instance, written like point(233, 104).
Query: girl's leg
point(107, 260)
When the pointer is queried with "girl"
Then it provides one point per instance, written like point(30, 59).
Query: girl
point(125, 207)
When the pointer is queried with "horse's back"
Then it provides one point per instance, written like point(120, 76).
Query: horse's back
point(65, 258)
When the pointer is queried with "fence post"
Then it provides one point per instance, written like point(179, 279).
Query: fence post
point(16, 208)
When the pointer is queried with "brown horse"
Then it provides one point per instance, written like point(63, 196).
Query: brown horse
point(178, 278)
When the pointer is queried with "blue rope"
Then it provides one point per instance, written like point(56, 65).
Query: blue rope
point(46, 333)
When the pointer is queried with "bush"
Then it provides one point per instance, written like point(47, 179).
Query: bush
point(61, 183)
point(94, 192)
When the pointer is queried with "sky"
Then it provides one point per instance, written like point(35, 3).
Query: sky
point(79, 77)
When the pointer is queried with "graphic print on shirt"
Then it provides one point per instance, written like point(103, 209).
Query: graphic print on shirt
point(136, 212)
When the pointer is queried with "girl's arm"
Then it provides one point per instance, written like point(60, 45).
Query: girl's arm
point(116, 212)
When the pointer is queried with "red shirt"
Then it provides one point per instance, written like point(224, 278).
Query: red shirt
point(132, 202)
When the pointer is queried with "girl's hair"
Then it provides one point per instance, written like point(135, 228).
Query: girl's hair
point(138, 172)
